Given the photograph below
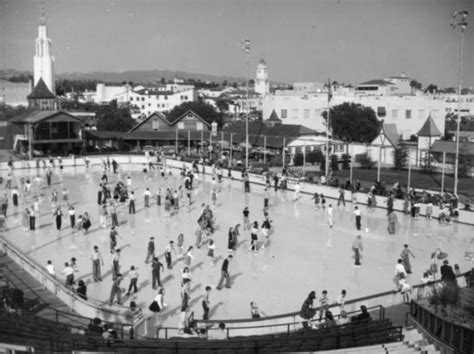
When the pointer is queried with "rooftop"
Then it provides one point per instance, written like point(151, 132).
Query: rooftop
point(40, 91)
point(378, 82)
point(429, 128)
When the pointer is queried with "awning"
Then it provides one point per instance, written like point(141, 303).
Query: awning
point(381, 112)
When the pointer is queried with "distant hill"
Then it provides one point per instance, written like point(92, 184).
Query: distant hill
point(136, 76)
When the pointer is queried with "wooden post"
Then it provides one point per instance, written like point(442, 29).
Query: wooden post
point(231, 134)
point(176, 143)
point(378, 163)
point(283, 153)
point(189, 142)
point(351, 165)
point(409, 171)
point(442, 173)
point(265, 149)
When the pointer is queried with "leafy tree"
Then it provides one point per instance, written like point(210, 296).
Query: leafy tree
point(334, 163)
point(111, 118)
point(415, 85)
point(431, 88)
point(7, 112)
point(400, 157)
point(224, 83)
point(353, 122)
point(204, 110)
point(346, 161)
point(163, 81)
point(465, 161)
point(314, 156)
point(222, 105)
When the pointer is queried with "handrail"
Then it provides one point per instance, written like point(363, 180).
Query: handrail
point(5, 266)
point(451, 334)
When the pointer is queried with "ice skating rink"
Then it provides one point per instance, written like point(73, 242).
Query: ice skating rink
point(305, 253)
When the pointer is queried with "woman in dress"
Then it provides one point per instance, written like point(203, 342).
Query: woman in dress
point(86, 222)
point(180, 246)
point(236, 233)
point(159, 306)
point(58, 215)
point(405, 256)
point(25, 221)
point(210, 251)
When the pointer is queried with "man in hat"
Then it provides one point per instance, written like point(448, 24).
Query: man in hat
point(447, 273)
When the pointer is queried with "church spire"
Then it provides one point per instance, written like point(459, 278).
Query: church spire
point(42, 17)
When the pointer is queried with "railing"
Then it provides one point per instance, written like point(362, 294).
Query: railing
point(454, 335)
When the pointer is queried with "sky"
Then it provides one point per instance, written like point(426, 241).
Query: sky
point(349, 41)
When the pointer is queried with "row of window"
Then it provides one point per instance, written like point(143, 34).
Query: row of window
point(318, 112)
point(143, 98)
point(155, 125)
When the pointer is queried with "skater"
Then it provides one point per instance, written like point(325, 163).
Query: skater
point(189, 256)
point(58, 215)
point(68, 271)
point(116, 264)
point(307, 311)
point(158, 197)
point(330, 212)
point(392, 222)
point(15, 195)
point(266, 197)
point(72, 216)
point(210, 251)
point(133, 276)
point(113, 239)
point(156, 267)
point(254, 237)
point(158, 305)
point(341, 198)
point(246, 213)
point(206, 303)
point(230, 240)
point(32, 218)
point(131, 203)
point(275, 181)
point(357, 249)
point(236, 234)
point(150, 250)
point(180, 246)
point(225, 273)
point(358, 216)
point(168, 250)
point(113, 213)
point(323, 201)
point(316, 200)
point(246, 182)
point(146, 196)
point(297, 191)
point(405, 256)
point(116, 291)
point(97, 262)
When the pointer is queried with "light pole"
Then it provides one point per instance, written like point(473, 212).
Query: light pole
point(246, 47)
point(460, 20)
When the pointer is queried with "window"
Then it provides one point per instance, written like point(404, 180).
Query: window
point(421, 114)
point(143, 106)
point(199, 126)
point(166, 97)
point(284, 113)
point(154, 124)
point(306, 113)
point(149, 104)
point(143, 98)
point(294, 113)
point(381, 112)
point(318, 113)
point(158, 105)
point(181, 125)
point(394, 114)
point(131, 98)
point(408, 114)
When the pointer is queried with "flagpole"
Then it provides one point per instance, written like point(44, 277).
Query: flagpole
point(327, 130)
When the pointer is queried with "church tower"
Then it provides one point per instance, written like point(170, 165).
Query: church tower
point(43, 62)
point(262, 86)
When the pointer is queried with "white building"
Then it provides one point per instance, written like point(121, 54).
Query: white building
point(262, 85)
point(43, 61)
point(148, 102)
point(14, 93)
point(407, 112)
point(106, 94)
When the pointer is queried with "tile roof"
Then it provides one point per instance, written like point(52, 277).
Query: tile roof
point(40, 91)
point(37, 116)
point(274, 117)
point(158, 114)
point(376, 82)
point(102, 134)
point(450, 147)
point(429, 128)
point(391, 133)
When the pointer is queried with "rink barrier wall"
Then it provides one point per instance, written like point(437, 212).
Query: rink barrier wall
point(465, 217)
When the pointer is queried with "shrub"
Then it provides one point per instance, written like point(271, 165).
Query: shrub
point(365, 161)
point(314, 156)
point(448, 294)
point(399, 158)
point(298, 159)
point(346, 161)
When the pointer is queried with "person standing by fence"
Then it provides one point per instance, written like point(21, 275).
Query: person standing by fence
point(97, 262)
point(225, 273)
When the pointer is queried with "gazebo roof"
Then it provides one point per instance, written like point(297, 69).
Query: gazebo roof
point(40, 91)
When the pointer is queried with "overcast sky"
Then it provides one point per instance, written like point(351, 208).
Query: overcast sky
point(301, 40)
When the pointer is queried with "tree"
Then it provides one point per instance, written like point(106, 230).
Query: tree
point(111, 118)
point(314, 156)
point(298, 159)
point(222, 105)
point(415, 85)
point(346, 161)
point(400, 157)
point(431, 88)
point(353, 122)
point(204, 110)
point(334, 162)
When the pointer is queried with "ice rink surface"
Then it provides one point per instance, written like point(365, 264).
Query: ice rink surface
point(305, 253)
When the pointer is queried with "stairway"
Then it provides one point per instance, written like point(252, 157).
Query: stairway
point(48, 303)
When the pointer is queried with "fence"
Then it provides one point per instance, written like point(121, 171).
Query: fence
point(455, 335)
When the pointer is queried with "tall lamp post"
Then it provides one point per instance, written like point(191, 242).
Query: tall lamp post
point(246, 47)
point(460, 20)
